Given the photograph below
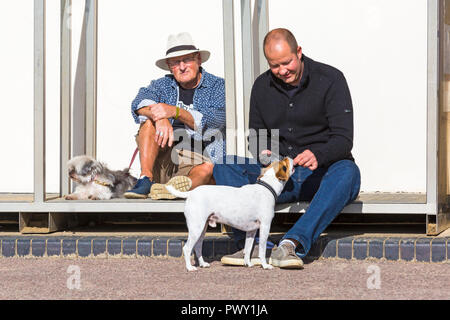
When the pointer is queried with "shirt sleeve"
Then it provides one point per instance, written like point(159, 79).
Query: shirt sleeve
point(210, 118)
point(339, 112)
point(145, 97)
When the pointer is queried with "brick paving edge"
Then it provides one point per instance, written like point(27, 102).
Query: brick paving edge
point(418, 249)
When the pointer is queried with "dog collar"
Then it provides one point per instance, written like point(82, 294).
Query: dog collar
point(103, 183)
point(265, 184)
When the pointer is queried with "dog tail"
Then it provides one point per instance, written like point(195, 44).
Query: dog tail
point(177, 193)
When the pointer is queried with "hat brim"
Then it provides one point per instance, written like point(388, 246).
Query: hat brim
point(161, 63)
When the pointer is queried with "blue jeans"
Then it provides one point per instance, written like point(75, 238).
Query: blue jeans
point(329, 189)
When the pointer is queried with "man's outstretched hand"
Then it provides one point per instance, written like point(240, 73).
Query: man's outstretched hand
point(306, 159)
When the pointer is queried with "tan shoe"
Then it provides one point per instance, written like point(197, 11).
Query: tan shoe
point(237, 258)
point(284, 257)
point(159, 191)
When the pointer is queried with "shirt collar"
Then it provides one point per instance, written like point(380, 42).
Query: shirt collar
point(205, 81)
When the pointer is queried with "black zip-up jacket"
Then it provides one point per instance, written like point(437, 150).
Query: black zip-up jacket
point(318, 116)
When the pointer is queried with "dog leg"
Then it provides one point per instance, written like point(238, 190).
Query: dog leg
point(263, 235)
point(76, 196)
point(249, 238)
point(198, 249)
point(72, 196)
point(187, 250)
point(195, 233)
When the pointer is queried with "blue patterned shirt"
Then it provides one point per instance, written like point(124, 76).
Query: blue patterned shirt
point(208, 111)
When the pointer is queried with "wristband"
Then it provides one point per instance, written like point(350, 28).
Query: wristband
point(178, 113)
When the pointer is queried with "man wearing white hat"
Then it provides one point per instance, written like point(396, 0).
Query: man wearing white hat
point(189, 102)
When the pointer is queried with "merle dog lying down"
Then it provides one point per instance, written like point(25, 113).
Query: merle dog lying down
point(95, 181)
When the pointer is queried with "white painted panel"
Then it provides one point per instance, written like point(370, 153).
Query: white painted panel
point(381, 47)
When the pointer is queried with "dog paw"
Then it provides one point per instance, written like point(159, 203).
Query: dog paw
point(93, 198)
point(71, 197)
point(205, 265)
point(249, 264)
point(191, 268)
point(267, 267)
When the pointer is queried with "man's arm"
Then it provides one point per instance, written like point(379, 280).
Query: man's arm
point(259, 138)
point(339, 113)
point(160, 111)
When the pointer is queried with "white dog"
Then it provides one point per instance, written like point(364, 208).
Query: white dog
point(248, 208)
point(95, 181)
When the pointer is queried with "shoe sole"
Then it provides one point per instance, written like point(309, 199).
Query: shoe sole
point(159, 191)
point(239, 261)
point(132, 195)
point(286, 264)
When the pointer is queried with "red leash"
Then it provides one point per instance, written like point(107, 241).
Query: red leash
point(134, 156)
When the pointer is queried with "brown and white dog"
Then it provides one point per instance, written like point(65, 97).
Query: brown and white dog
point(248, 208)
point(95, 181)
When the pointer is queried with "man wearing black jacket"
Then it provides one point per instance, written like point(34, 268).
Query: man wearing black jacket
point(303, 109)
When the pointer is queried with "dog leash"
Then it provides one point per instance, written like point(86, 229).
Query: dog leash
point(134, 156)
point(265, 184)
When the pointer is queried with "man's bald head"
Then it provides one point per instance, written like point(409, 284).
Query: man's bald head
point(280, 34)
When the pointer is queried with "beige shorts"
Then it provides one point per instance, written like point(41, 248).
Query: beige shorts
point(182, 163)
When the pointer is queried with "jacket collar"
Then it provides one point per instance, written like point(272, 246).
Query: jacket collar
point(303, 81)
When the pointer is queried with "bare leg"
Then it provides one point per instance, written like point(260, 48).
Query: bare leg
point(148, 148)
point(201, 175)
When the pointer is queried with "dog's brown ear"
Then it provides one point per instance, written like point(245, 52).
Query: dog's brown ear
point(283, 170)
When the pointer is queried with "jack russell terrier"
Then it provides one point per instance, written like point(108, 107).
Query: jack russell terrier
point(248, 208)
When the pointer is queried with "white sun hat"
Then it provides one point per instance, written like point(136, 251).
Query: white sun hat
point(179, 45)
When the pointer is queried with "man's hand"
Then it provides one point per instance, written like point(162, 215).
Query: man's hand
point(164, 133)
point(306, 159)
point(161, 111)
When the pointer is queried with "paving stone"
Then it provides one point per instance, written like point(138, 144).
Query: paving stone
point(144, 247)
point(360, 249)
point(98, 246)
point(448, 249)
point(175, 248)
point(329, 250)
point(407, 249)
point(221, 247)
point(53, 247)
point(423, 250)
point(438, 250)
point(23, 247)
point(84, 247)
point(129, 247)
point(8, 247)
point(114, 247)
point(69, 247)
point(376, 248)
point(316, 249)
point(345, 248)
point(392, 249)
point(232, 247)
point(38, 247)
point(208, 248)
point(160, 246)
